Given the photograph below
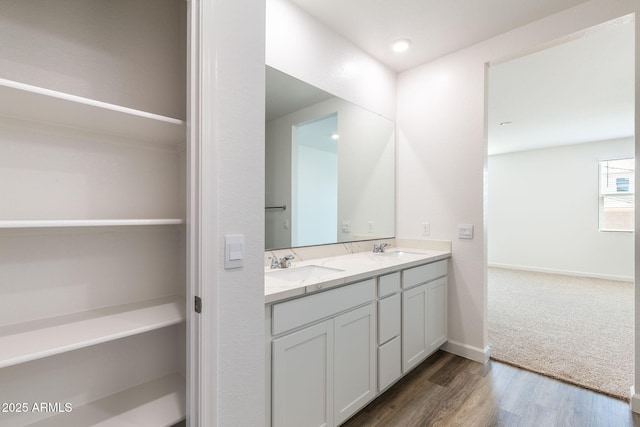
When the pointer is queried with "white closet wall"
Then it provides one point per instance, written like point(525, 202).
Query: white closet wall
point(92, 212)
point(124, 52)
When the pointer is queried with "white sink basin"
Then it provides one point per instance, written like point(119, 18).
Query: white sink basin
point(399, 254)
point(304, 272)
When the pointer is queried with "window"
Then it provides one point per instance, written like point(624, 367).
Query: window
point(617, 186)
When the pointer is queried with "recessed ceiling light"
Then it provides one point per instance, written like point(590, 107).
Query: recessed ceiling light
point(401, 45)
point(335, 136)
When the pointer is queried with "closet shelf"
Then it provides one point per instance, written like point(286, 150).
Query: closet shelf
point(32, 103)
point(87, 223)
point(24, 342)
point(160, 402)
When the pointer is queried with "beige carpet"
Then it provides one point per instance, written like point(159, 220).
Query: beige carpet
point(579, 330)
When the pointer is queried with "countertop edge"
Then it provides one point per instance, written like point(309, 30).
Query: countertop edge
point(296, 290)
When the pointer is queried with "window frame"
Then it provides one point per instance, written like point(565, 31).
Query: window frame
point(603, 195)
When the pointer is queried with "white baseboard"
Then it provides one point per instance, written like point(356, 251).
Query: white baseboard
point(634, 400)
point(476, 354)
point(561, 272)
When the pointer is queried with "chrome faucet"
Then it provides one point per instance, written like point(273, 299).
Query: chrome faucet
point(284, 262)
point(377, 249)
point(274, 262)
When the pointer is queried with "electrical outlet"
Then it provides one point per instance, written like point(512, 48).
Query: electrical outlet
point(370, 227)
point(426, 229)
point(346, 226)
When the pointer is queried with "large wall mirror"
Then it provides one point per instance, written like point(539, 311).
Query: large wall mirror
point(330, 167)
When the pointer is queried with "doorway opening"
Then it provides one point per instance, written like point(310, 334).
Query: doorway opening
point(560, 288)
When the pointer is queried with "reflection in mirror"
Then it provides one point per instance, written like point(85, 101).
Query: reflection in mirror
point(329, 167)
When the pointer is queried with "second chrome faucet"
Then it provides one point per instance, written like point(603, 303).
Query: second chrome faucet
point(284, 262)
point(377, 249)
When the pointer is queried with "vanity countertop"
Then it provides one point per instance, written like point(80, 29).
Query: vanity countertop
point(349, 268)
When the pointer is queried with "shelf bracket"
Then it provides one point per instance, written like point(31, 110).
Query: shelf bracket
point(198, 304)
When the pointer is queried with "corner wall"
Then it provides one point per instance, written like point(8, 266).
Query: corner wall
point(442, 156)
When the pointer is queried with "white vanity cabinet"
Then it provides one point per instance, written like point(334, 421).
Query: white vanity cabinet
point(323, 356)
point(424, 312)
point(331, 352)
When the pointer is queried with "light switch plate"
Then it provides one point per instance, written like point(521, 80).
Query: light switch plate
point(233, 251)
point(465, 231)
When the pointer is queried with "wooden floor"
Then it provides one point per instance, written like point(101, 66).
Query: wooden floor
point(448, 390)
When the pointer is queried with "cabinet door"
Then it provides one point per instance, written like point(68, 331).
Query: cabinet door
point(414, 327)
point(303, 378)
point(389, 363)
point(354, 361)
point(437, 313)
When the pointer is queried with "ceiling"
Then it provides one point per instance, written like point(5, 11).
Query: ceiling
point(435, 27)
point(579, 90)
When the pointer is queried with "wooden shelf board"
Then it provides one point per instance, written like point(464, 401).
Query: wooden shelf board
point(37, 339)
point(87, 223)
point(160, 402)
point(32, 103)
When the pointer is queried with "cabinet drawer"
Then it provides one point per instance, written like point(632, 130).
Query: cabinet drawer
point(298, 312)
point(423, 273)
point(389, 363)
point(388, 284)
point(388, 318)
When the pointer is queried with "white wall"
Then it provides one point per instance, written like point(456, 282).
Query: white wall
point(228, 110)
point(86, 48)
point(543, 212)
point(442, 156)
point(299, 45)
